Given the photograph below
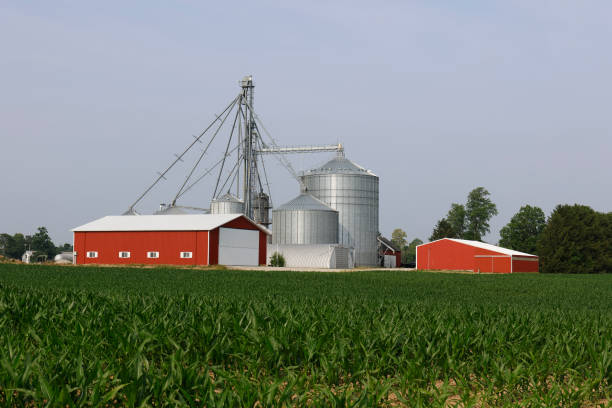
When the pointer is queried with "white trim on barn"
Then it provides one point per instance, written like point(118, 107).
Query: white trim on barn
point(489, 247)
point(484, 245)
point(170, 222)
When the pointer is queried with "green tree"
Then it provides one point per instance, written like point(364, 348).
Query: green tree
point(523, 230)
point(64, 248)
point(443, 229)
point(576, 239)
point(409, 253)
point(398, 238)
point(457, 219)
point(5, 243)
point(479, 210)
point(15, 245)
point(41, 242)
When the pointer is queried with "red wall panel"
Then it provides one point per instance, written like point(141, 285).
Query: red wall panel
point(523, 265)
point(214, 247)
point(263, 247)
point(449, 255)
point(492, 264)
point(240, 223)
point(201, 257)
point(169, 244)
point(79, 246)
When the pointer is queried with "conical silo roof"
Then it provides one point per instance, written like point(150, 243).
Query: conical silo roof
point(227, 197)
point(305, 201)
point(339, 164)
point(171, 210)
point(304, 220)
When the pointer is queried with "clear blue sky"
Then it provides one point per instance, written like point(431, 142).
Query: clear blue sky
point(435, 97)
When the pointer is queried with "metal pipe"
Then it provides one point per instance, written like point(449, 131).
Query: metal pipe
point(301, 149)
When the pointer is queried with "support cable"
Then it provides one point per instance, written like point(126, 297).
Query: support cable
point(231, 175)
point(178, 158)
point(236, 176)
point(206, 172)
point(281, 158)
point(229, 141)
point(204, 152)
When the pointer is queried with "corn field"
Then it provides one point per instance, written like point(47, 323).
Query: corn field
point(106, 337)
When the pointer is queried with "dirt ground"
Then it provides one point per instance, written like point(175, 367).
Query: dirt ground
point(296, 269)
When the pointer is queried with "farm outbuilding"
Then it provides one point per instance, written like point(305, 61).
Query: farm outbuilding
point(463, 255)
point(333, 256)
point(390, 254)
point(196, 239)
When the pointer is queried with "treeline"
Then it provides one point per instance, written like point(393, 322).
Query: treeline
point(14, 246)
point(574, 238)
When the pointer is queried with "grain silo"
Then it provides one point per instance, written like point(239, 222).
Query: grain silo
point(353, 191)
point(227, 204)
point(170, 210)
point(304, 220)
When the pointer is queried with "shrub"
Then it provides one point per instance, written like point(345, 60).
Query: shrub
point(277, 259)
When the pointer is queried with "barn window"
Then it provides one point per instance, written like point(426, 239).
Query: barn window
point(188, 255)
point(152, 254)
point(124, 254)
point(92, 254)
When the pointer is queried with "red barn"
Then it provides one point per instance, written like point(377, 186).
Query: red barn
point(392, 256)
point(463, 255)
point(194, 239)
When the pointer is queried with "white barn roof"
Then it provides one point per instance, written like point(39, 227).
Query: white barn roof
point(170, 222)
point(486, 246)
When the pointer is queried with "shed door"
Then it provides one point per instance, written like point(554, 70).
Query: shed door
point(390, 261)
point(238, 247)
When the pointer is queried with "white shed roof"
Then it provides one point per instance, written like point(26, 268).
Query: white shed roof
point(486, 246)
point(170, 222)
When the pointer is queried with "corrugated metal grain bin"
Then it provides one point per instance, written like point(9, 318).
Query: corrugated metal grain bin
point(227, 204)
point(304, 220)
point(353, 191)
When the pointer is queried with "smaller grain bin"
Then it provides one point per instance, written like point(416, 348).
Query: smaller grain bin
point(170, 210)
point(304, 220)
point(227, 204)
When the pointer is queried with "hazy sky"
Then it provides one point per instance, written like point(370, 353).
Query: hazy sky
point(434, 97)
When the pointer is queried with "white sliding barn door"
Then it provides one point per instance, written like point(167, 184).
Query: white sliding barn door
point(238, 247)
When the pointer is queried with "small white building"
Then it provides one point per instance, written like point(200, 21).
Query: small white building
point(27, 257)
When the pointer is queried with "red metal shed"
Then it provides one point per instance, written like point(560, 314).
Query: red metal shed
point(194, 239)
point(389, 253)
point(464, 255)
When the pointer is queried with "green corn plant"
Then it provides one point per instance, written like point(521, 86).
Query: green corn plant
point(88, 336)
